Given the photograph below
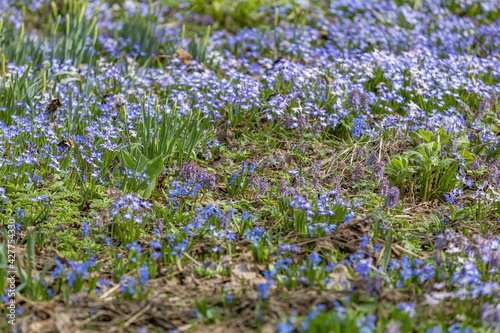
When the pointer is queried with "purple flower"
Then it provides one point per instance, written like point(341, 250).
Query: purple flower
point(495, 258)
point(187, 171)
point(160, 223)
point(205, 180)
point(490, 314)
point(464, 109)
point(475, 164)
point(354, 100)
point(438, 259)
point(225, 219)
point(378, 170)
point(371, 160)
point(392, 197)
point(484, 105)
point(373, 285)
point(358, 172)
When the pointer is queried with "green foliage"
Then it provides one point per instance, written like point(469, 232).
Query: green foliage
point(245, 224)
point(19, 48)
point(206, 312)
point(387, 251)
point(73, 45)
point(198, 49)
point(136, 162)
point(237, 183)
point(400, 169)
point(168, 135)
point(243, 13)
point(140, 30)
point(435, 173)
point(19, 88)
point(262, 248)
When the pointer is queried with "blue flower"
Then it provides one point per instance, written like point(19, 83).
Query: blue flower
point(143, 274)
point(315, 259)
point(85, 229)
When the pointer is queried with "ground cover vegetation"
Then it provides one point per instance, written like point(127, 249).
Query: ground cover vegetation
point(253, 165)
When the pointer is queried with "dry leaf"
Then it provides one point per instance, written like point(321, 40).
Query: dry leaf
point(113, 193)
point(45, 326)
point(241, 271)
point(184, 56)
point(339, 279)
point(63, 323)
point(208, 202)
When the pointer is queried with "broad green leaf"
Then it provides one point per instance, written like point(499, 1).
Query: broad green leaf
point(444, 163)
point(463, 142)
point(126, 160)
point(397, 163)
point(468, 156)
point(154, 168)
point(426, 135)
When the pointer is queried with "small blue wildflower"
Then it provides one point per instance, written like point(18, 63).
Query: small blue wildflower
point(315, 259)
point(85, 229)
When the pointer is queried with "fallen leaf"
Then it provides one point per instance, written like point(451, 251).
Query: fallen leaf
point(184, 56)
point(241, 271)
point(63, 323)
point(208, 202)
point(113, 193)
point(45, 326)
point(339, 279)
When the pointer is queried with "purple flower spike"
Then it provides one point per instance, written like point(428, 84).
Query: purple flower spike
point(392, 197)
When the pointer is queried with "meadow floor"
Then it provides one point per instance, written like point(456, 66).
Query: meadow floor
point(242, 166)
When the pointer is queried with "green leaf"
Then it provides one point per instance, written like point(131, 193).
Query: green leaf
point(155, 168)
point(463, 142)
point(426, 135)
point(70, 79)
point(146, 192)
point(444, 163)
point(126, 160)
point(387, 251)
point(443, 136)
point(397, 163)
point(468, 156)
